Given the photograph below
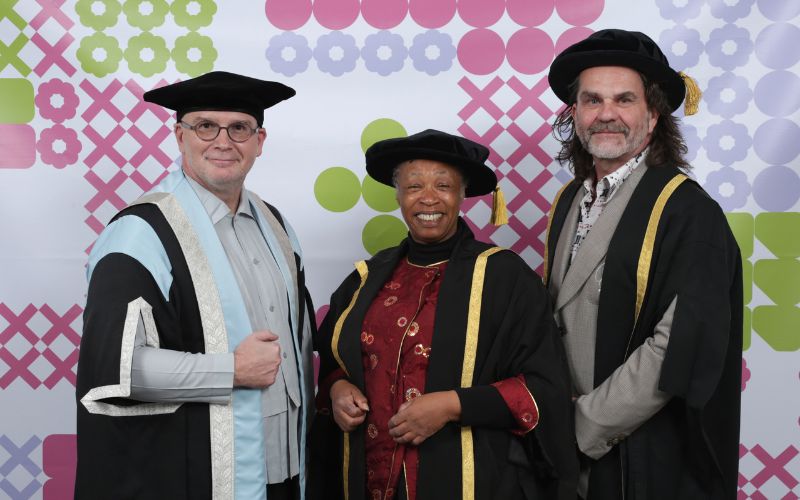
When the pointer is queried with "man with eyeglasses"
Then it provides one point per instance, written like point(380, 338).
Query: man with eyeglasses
point(195, 374)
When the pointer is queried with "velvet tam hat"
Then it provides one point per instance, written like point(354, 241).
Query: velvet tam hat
point(467, 156)
point(221, 91)
point(615, 47)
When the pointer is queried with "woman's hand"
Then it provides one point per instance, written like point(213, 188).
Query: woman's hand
point(348, 404)
point(423, 416)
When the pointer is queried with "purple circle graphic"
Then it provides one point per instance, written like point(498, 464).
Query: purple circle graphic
point(384, 14)
point(779, 10)
point(432, 13)
point(579, 12)
point(777, 141)
point(776, 188)
point(729, 187)
point(529, 51)
point(773, 45)
point(481, 51)
point(288, 14)
point(682, 46)
point(729, 47)
point(778, 93)
point(687, 10)
point(727, 142)
point(571, 36)
point(481, 13)
point(728, 95)
point(529, 14)
point(336, 14)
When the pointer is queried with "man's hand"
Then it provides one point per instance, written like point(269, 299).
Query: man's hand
point(256, 360)
point(348, 404)
point(423, 416)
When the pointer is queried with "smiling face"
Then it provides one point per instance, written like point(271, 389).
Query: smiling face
point(429, 194)
point(612, 119)
point(220, 165)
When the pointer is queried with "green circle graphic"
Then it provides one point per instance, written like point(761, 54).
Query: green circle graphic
point(101, 21)
point(133, 54)
point(380, 129)
point(113, 54)
point(383, 231)
point(193, 22)
point(187, 42)
point(379, 196)
point(337, 189)
point(149, 21)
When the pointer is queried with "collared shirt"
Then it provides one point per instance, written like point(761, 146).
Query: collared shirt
point(161, 375)
point(596, 199)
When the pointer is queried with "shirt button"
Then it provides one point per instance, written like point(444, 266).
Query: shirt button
point(271, 308)
point(255, 261)
point(285, 355)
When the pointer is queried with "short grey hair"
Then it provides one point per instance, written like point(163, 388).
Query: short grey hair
point(464, 178)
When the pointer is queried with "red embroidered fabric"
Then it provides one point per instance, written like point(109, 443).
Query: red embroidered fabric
point(520, 402)
point(395, 347)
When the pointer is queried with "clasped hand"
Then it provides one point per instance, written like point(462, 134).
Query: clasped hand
point(415, 421)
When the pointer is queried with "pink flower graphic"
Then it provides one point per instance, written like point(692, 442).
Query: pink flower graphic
point(71, 146)
point(745, 374)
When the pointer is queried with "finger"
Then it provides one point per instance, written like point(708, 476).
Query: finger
point(362, 404)
point(418, 440)
point(407, 437)
point(399, 430)
point(265, 335)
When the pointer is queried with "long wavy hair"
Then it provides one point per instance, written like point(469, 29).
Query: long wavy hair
point(667, 146)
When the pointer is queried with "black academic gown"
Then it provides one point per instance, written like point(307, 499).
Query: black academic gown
point(163, 456)
point(689, 449)
point(516, 335)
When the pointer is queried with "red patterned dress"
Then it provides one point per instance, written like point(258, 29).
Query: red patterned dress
point(395, 347)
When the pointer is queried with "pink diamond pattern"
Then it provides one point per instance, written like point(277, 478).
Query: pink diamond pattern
point(18, 326)
point(526, 97)
point(105, 152)
point(771, 467)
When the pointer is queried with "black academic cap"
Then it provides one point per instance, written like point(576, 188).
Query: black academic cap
point(221, 91)
point(614, 47)
point(467, 156)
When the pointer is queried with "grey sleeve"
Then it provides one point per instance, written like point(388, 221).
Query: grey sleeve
point(166, 376)
point(627, 398)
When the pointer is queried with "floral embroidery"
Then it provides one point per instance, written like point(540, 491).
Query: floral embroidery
point(421, 350)
point(390, 300)
point(372, 431)
point(392, 285)
point(367, 338)
point(413, 329)
point(373, 361)
point(402, 321)
point(413, 393)
point(527, 417)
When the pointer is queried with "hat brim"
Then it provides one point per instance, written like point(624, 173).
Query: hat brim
point(568, 67)
point(480, 177)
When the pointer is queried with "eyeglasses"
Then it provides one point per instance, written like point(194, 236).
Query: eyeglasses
point(208, 131)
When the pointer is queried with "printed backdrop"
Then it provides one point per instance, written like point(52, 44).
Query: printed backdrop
point(77, 144)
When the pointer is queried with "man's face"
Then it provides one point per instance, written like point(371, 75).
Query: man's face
point(220, 165)
point(429, 194)
point(612, 119)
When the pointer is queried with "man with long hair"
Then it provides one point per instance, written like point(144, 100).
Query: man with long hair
point(646, 279)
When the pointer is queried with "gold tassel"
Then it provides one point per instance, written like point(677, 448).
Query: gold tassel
point(499, 214)
point(693, 94)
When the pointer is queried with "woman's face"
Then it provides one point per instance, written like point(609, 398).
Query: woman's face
point(430, 195)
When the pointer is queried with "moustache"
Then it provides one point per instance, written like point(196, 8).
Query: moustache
point(609, 128)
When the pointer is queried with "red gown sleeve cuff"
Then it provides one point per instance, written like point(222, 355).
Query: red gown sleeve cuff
point(323, 398)
point(520, 403)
